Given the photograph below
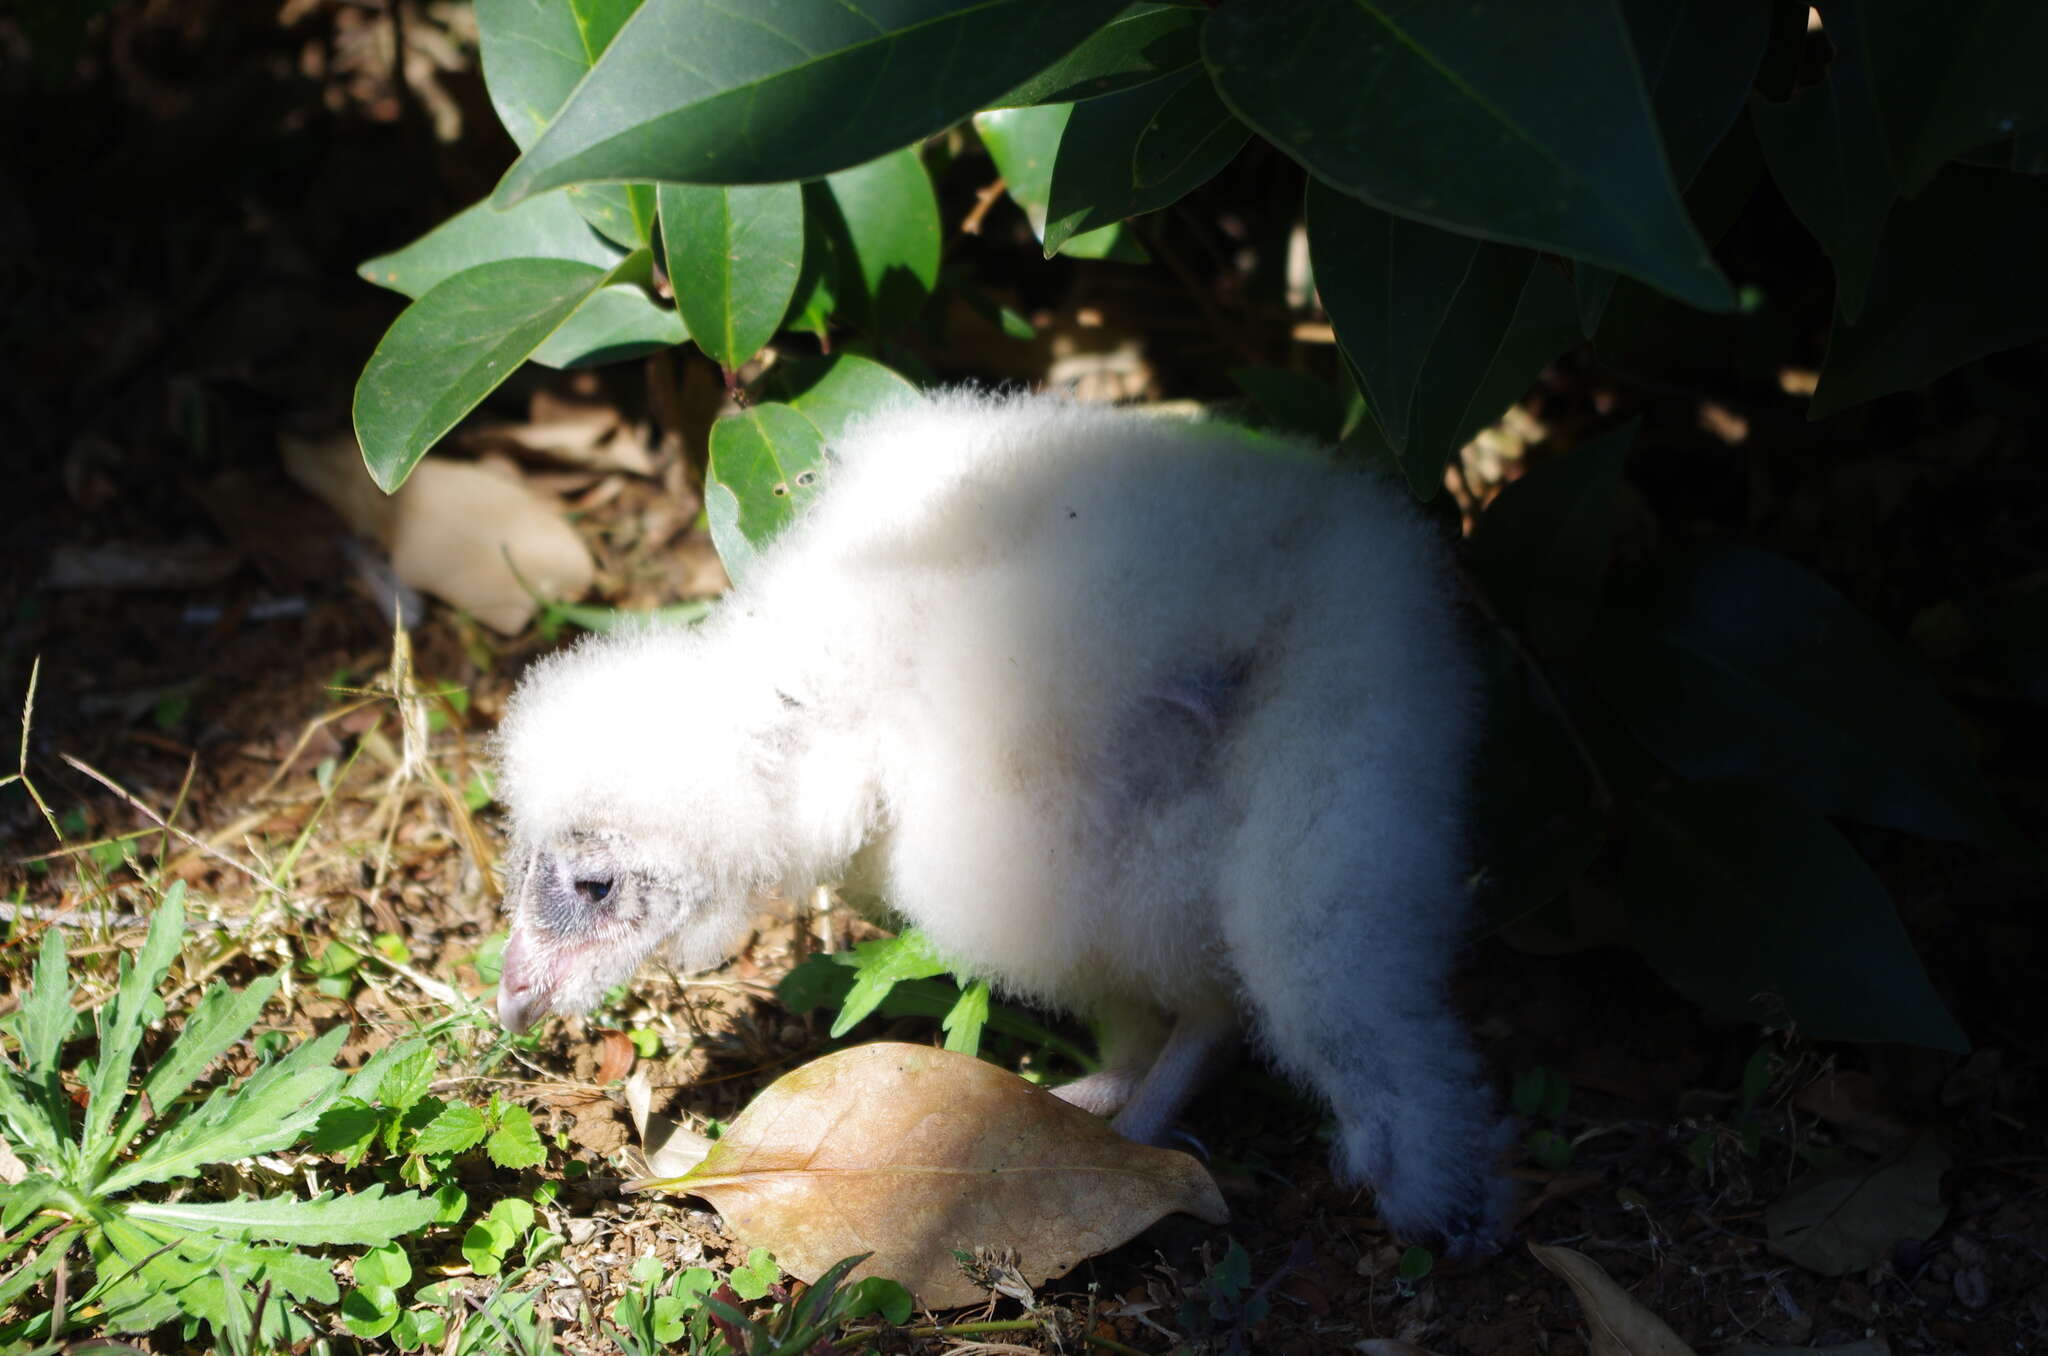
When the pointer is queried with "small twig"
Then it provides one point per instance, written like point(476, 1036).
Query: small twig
point(983, 200)
point(175, 831)
point(20, 774)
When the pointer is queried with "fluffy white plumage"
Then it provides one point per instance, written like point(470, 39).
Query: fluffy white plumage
point(1143, 719)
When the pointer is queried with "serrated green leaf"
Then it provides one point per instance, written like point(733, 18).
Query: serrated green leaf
point(1024, 142)
point(1959, 274)
point(880, 964)
point(45, 1018)
point(453, 347)
point(886, 218)
point(1754, 906)
point(833, 392)
point(734, 256)
point(121, 1024)
point(1738, 663)
point(363, 1084)
point(535, 52)
point(1541, 548)
point(366, 1218)
point(35, 1118)
point(765, 466)
point(1513, 153)
point(347, 1130)
point(515, 1144)
point(457, 1129)
point(1094, 174)
point(24, 1277)
point(964, 1023)
point(216, 1022)
point(265, 1112)
point(695, 92)
point(1141, 44)
point(405, 1079)
point(547, 227)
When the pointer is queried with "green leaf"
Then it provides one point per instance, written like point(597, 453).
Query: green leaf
point(1755, 907)
point(418, 1328)
point(366, 1083)
point(879, 965)
point(455, 1130)
point(753, 1280)
point(698, 92)
point(1295, 402)
point(515, 1144)
point(1950, 79)
point(366, 1218)
point(1738, 663)
point(535, 52)
point(1959, 274)
point(384, 1265)
point(1513, 151)
point(216, 1022)
point(121, 1024)
point(1141, 44)
point(879, 1295)
point(369, 1310)
point(267, 1111)
point(734, 255)
point(347, 1130)
point(833, 392)
point(887, 224)
point(1542, 546)
point(964, 1023)
point(1826, 152)
point(45, 1017)
point(1389, 284)
point(453, 347)
point(612, 325)
point(1023, 142)
point(547, 227)
point(405, 1080)
point(765, 466)
point(1179, 127)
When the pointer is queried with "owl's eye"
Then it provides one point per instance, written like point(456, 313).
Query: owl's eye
point(595, 889)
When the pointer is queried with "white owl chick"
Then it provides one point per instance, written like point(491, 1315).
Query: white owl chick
point(1156, 722)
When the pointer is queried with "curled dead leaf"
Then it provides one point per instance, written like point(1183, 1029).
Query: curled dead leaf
point(914, 1153)
point(615, 1056)
point(1620, 1324)
point(1843, 1220)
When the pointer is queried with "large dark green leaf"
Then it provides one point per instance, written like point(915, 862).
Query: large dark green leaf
point(1141, 44)
point(1698, 60)
point(886, 223)
point(1826, 152)
point(1738, 663)
point(613, 324)
point(541, 228)
point(733, 259)
point(1177, 123)
point(1542, 547)
point(1754, 906)
point(766, 464)
point(1024, 142)
point(1950, 78)
point(534, 53)
point(1499, 119)
point(452, 347)
point(833, 392)
point(696, 91)
point(1960, 273)
point(1388, 284)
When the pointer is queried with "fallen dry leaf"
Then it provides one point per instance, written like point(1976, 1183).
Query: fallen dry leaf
point(912, 1153)
point(454, 530)
point(615, 1056)
point(1620, 1325)
point(1852, 1103)
point(1843, 1220)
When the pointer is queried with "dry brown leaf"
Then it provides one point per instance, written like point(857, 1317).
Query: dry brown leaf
point(615, 1056)
point(1620, 1325)
point(1846, 1218)
point(454, 530)
point(1852, 1103)
point(912, 1153)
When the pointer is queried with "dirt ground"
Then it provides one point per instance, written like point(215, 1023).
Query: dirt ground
point(181, 209)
